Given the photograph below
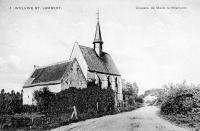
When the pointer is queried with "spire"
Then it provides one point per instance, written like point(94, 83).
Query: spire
point(98, 38)
point(98, 43)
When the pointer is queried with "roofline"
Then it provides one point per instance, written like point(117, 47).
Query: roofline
point(29, 77)
point(93, 48)
point(85, 46)
point(104, 73)
point(73, 49)
point(60, 62)
point(43, 83)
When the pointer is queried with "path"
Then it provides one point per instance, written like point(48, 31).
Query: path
point(142, 119)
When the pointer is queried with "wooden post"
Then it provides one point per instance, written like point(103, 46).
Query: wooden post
point(74, 113)
point(31, 115)
point(97, 106)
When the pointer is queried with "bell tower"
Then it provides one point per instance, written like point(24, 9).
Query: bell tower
point(98, 43)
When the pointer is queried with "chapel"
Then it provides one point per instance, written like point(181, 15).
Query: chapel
point(85, 64)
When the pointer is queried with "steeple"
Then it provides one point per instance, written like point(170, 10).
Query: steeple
point(98, 38)
point(98, 42)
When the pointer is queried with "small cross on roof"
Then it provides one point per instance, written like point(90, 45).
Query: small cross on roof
point(98, 15)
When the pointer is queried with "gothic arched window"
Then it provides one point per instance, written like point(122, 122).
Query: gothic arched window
point(108, 79)
point(99, 82)
point(116, 84)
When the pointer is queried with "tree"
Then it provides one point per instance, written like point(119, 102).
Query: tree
point(130, 92)
point(10, 103)
point(135, 89)
point(2, 91)
point(45, 99)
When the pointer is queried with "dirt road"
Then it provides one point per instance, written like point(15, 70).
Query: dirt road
point(142, 119)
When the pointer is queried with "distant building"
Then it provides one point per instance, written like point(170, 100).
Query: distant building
point(150, 99)
point(89, 64)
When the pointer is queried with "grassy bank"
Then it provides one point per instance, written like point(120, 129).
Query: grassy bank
point(188, 121)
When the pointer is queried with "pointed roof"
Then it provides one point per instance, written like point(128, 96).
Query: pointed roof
point(105, 64)
point(98, 38)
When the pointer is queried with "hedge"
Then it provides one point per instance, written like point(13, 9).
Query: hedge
point(91, 98)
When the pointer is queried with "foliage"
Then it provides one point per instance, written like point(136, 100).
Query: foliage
point(139, 99)
point(179, 103)
point(10, 103)
point(181, 99)
point(91, 98)
point(13, 122)
point(130, 92)
point(131, 89)
point(90, 102)
point(29, 108)
point(45, 99)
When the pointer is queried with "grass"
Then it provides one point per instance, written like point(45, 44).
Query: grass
point(40, 122)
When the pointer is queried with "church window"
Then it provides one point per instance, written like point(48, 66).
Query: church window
point(99, 82)
point(116, 84)
point(108, 79)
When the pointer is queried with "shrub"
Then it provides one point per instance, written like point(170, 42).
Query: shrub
point(131, 101)
point(181, 99)
point(139, 99)
point(45, 100)
point(10, 103)
point(14, 122)
point(29, 108)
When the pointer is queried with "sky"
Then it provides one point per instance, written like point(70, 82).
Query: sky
point(151, 47)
